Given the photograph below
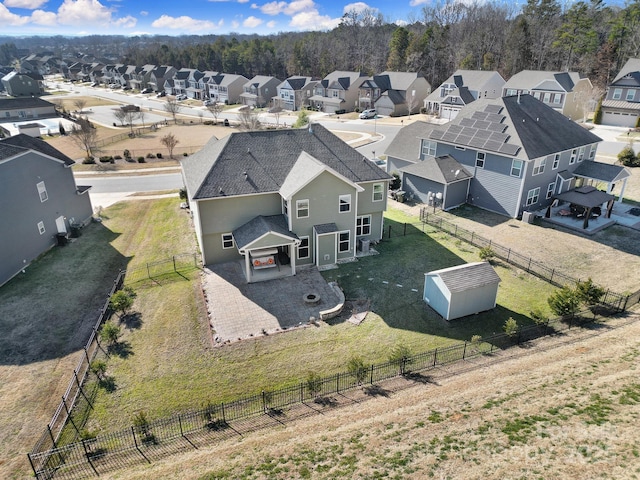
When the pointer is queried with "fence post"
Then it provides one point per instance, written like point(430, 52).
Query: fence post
point(371, 373)
point(472, 234)
point(337, 383)
point(264, 402)
point(403, 365)
point(464, 350)
point(529, 266)
point(174, 263)
point(435, 356)
point(224, 419)
point(135, 440)
point(75, 375)
point(508, 255)
point(552, 272)
point(404, 233)
point(86, 354)
point(180, 425)
point(148, 272)
point(35, 472)
point(51, 435)
point(389, 231)
point(66, 409)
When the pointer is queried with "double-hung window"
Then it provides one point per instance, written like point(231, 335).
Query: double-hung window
point(516, 168)
point(581, 154)
point(533, 195)
point(227, 241)
point(363, 225)
point(538, 166)
point(302, 208)
point(550, 188)
point(631, 93)
point(303, 248)
point(574, 154)
point(41, 228)
point(617, 94)
point(42, 192)
point(378, 192)
point(428, 148)
point(345, 203)
point(343, 241)
point(480, 156)
point(556, 161)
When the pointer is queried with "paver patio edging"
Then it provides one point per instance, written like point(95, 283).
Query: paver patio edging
point(335, 311)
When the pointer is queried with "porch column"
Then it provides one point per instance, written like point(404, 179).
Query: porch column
point(292, 257)
point(247, 265)
point(621, 196)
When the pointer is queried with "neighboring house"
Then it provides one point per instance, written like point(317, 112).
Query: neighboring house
point(461, 290)
point(463, 88)
point(258, 91)
point(621, 106)
point(180, 82)
point(394, 93)
point(281, 198)
point(294, 92)
point(512, 154)
point(21, 109)
point(565, 92)
point(195, 85)
point(23, 85)
point(159, 76)
point(140, 77)
point(225, 88)
point(338, 91)
point(39, 198)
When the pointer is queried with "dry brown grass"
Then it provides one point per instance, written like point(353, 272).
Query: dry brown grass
point(568, 408)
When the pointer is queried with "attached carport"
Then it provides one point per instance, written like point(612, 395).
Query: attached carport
point(437, 181)
point(268, 248)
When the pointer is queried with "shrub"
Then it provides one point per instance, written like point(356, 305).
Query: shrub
point(158, 155)
point(185, 154)
point(396, 183)
point(589, 293)
point(487, 254)
point(475, 339)
point(538, 317)
point(141, 160)
point(150, 155)
point(356, 367)
point(106, 159)
point(122, 300)
point(399, 353)
point(89, 160)
point(628, 157)
point(98, 368)
point(118, 157)
point(314, 383)
point(510, 327)
point(597, 115)
point(564, 301)
point(126, 154)
point(109, 333)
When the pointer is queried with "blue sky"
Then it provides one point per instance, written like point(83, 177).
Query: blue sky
point(175, 17)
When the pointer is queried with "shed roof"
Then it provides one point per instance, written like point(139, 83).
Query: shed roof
point(467, 276)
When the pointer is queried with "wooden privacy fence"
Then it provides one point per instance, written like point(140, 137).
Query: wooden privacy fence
point(157, 438)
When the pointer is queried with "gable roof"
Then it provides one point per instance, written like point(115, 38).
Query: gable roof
point(443, 170)
point(602, 171)
point(539, 79)
point(632, 68)
point(517, 126)
point(395, 80)
point(296, 83)
point(472, 79)
point(260, 226)
point(23, 102)
point(407, 143)
point(267, 157)
point(20, 143)
point(465, 277)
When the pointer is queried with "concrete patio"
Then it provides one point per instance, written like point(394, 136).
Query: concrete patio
point(240, 310)
point(621, 214)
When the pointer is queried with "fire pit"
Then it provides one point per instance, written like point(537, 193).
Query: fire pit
point(311, 298)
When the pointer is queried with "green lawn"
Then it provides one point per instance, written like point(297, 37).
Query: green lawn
point(171, 364)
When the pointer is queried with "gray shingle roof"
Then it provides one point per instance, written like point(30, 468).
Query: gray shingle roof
point(468, 276)
point(25, 142)
point(601, 171)
point(267, 157)
point(259, 226)
point(517, 126)
point(23, 102)
point(631, 66)
point(443, 170)
point(406, 144)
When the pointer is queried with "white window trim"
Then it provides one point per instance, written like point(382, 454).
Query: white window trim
point(538, 166)
point(229, 237)
point(631, 94)
point(41, 228)
point(513, 162)
point(617, 94)
point(574, 154)
point(42, 189)
point(432, 146)
point(308, 247)
point(556, 161)
point(480, 160)
point(550, 189)
point(340, 242)
point(344, 200)
point(381, 193)
point(299, 203)
point(361, 226)
point(532, 194)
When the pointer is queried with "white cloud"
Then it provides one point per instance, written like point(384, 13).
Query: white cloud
point(272, 24)
point(313, 21)
point(11, 19)
point(82, 12)
point(235, 24)
point(40, 17)
point(416, 3)
point(357, 6)
point(28, 4)
point(290, 8)
point(144, 13)
point(252, 22)
point(243, 1)
point(125, 22)
point(182, 23)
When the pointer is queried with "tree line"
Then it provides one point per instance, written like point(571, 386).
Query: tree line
point(589, 37)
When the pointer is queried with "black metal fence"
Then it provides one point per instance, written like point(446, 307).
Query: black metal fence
point(146, 440)
point(181, 263)
point(611, 299)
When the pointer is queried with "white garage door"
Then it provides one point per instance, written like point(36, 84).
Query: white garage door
point(619, 119)
point(448, 113)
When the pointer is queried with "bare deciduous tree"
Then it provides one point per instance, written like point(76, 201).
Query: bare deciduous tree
point(173, 107)
point(215, 109)
point(84, 135)
point(169, 141)
point(586, 99)
point(79, 103)
point(249, 119)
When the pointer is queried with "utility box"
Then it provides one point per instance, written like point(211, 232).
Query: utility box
point(364, 244)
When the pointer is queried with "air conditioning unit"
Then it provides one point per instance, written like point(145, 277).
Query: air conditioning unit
point(527, 217)
point(363, 245)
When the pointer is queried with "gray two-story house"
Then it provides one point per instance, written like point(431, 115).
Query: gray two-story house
point(506, 155)
point(39, 198)
point(338, 91)
point(23, 85)
point(294, 92)
point(281, 198)
point(225, 88)
point(258, 91)
point(621, 106)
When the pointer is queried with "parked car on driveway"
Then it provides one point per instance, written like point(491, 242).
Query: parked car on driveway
point(147, 90)
point(181, 96)
point(208, 102)
point(161, 94)
point(371, 113)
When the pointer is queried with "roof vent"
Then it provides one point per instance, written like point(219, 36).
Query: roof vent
point(246, 175)
point(220, 190)
point(310, 129)
point(248, 150)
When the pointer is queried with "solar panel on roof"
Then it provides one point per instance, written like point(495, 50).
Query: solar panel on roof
point(467, 122)
point(493, 145)
point(483, 134)
point(496, 127)
point(509, 149)
point(436, 134)
point(455, 128)
point(449, 137)
point(477, 142)
point(469, 131)
point(499, 137)
point(493, 108)
point(493, 117)
point(479, 115)
point(482, 124)
point(464, 139)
